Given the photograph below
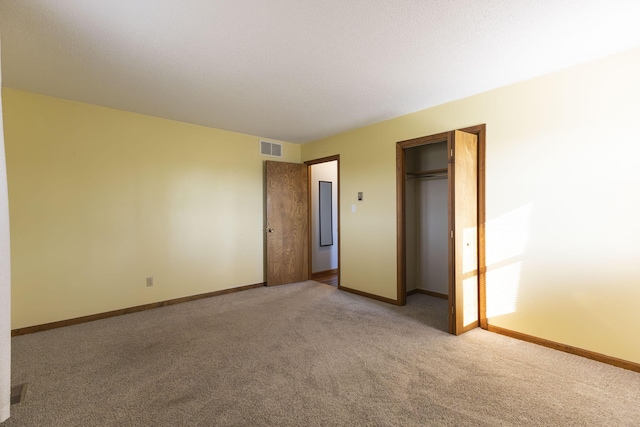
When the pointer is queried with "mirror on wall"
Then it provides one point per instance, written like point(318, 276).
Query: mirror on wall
point(326, 217)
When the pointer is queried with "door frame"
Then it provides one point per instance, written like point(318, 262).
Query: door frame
point(480, 132)
point(310, 163)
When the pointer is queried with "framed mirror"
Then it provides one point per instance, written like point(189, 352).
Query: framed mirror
point(326, 210)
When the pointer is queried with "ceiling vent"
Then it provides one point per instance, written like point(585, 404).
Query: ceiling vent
point(270, 149)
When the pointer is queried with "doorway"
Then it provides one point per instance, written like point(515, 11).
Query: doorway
point(290, 236)
point(441, 216)
point(324, 219)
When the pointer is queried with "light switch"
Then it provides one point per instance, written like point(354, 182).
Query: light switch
point(359, 195)
point(353, 208)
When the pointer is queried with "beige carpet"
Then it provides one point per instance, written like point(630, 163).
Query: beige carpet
point(307, 354)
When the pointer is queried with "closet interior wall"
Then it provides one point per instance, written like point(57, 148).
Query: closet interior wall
point(426, 218)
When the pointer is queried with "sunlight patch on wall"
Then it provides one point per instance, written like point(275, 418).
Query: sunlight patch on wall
point(507, 237)
point(502, 289)
point(597, 304)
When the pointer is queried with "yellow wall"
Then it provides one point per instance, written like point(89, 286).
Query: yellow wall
point(563, 202)
point(100, 199)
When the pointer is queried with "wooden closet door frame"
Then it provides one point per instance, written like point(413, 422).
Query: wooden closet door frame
point(480, 132)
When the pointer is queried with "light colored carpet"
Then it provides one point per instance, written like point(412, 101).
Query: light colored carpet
point(307, 354)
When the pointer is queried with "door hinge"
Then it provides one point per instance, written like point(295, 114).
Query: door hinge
point(452, 152)
point(452, 234)
point(451, 309)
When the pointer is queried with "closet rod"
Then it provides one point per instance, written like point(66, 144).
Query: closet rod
point(434, 173)
point(439, 176)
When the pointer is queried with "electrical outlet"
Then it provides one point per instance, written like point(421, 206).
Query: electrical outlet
point(149, 281)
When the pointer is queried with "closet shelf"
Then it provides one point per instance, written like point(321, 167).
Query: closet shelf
point(428, 174)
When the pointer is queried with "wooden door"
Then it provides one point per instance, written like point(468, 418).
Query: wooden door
point(287, 223)
point(463, 220)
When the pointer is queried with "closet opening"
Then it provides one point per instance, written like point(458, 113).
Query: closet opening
point(440, 187)
point(426, 220)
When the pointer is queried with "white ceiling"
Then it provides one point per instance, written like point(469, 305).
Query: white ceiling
point(296, 70)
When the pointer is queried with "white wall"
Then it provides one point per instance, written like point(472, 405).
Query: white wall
point(5, 283)
point(433, 231)
point(427, 220)
point(432, 219)
point(411, 236)
point(324, 257)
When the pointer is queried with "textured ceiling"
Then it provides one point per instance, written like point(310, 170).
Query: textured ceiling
point(297, 70)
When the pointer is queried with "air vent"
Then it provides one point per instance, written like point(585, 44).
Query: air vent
point(270, 149)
